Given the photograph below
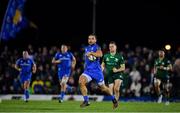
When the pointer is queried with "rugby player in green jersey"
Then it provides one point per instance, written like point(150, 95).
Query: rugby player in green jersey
point(162, 67)
point(114, 66)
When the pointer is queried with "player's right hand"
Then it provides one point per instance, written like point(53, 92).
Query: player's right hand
point(89, 54)
point(115, 70)
point(57, 61)
point(54, 61)
point(161, 67)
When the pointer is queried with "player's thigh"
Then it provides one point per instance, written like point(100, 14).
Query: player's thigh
point(157, 82)
point(117, 83)
point(110, 79)
point(22, 78)
point(60, 75)
point(103, 86)
point(166, 84)
point(67, 72)
point(83, 79)
point(64, 80)
point(26, 84)
point(25, 80)
point(117, 79)
point(65, 76)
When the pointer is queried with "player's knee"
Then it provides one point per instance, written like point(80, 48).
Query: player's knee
point(156, 85)
point(157, 82)
point(62, 84)
point(26, 85)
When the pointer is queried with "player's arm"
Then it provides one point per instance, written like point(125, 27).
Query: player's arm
point(155, 67)
point(103, 63)
point(102, 66)
point(98, 53)
point(122, 66)
point(56, 59)
point(121, 69)
point(17, 67)
point(155, 70)
point(34, 68)
point(73, 62)
point(167, 68)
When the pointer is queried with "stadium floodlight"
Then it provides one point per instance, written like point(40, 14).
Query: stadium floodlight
point(168, 47)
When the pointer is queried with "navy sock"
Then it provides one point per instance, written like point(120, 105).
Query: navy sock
point(62, 95)
point(86, 98)
point(26, 93)
point(112, 97)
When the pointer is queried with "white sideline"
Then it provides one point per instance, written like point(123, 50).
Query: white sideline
point(97, 98)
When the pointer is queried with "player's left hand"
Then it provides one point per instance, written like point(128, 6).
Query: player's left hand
point(115, 70)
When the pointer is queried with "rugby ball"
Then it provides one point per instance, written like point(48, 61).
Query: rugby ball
point(92, 58)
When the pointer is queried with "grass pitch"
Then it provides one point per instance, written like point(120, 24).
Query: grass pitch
point(73, 106)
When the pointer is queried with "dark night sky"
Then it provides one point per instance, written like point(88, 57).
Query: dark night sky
point(138, 22)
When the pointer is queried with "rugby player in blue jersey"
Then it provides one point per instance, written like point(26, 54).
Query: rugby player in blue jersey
point(65, 62)
point(92, 70)
point(26, 66)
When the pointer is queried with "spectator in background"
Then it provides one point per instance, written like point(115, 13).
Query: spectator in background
point(71, 89)
point(135, 88)
point(135, 75)
point(8, 56)
point(176, 79)
point(38, 86)
point(16, 85)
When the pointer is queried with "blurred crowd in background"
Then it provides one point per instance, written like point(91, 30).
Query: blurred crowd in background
point(138, 81)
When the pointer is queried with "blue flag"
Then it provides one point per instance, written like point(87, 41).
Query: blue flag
point(14, 19)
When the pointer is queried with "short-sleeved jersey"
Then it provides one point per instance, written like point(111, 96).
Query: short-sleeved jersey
point(112, 61)
point(164, 62)
point(95, 64)
point(25, 65)
point(66, 60)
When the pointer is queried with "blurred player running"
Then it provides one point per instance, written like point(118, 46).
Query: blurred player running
point(25, 66)
point(162, 67)
point(65, 62)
